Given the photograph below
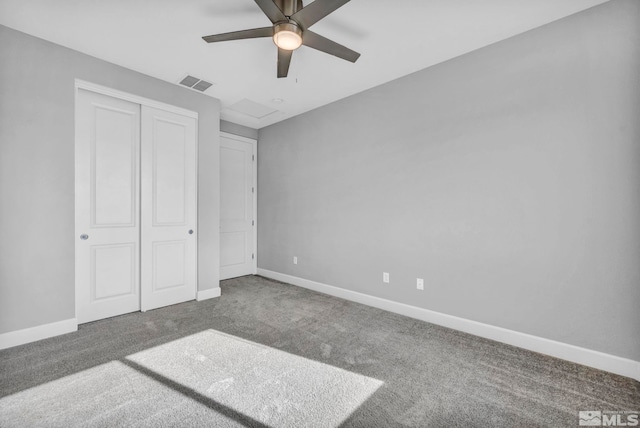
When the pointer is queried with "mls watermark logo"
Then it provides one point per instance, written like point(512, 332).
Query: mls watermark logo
point(598, 418)
point(590, 418)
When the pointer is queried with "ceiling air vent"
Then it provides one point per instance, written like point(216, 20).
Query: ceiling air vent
point(195, 83)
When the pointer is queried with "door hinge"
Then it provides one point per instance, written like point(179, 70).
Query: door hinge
point(253, 256)
point(253, 190)
point(253, 222)
point(253, 157)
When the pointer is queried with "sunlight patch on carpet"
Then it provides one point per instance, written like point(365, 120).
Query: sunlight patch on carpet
point(110, 394)
point(267, 385)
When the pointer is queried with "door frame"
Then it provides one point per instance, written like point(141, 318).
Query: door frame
point(104, 90)
point(254, 146)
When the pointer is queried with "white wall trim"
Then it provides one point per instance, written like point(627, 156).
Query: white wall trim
point(208, 294)
point(576, 354)
point(104, 90)
point(20, 337)
point(237, 137)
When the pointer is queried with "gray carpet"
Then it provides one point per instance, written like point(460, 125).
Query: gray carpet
point(271, 354)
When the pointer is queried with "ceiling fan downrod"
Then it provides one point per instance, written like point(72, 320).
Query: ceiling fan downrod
point(289, 7)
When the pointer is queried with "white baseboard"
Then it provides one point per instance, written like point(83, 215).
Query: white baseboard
point(576, 354)
point(20, 337)
point(208, 294)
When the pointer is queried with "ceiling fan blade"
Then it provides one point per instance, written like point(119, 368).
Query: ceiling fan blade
point(316, 41)
point(284, 59)
point(272, 11)
point(237, 35)
point(315, 11)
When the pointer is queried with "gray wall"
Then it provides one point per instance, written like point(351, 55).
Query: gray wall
point(235, 129)
point(507, 178)
point(37, 173)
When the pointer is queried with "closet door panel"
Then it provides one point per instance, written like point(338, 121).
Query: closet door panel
point(170, 168)
point(107, 207)
point(168, 268)
point(237, 217)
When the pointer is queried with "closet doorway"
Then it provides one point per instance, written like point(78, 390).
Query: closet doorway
point(238, 197)
point(135, 204)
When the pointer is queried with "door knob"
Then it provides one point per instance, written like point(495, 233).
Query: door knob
point(84, 236)
point(190, 231)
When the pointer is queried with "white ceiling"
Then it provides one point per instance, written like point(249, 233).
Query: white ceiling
point(162, 38)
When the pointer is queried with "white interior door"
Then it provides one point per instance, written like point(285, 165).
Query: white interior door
point(168, 268)
point(237, 206)
point(107, 207)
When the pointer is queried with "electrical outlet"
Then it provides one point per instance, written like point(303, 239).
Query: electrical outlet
point(420, 284)
point(295, 260)
point(385, 277)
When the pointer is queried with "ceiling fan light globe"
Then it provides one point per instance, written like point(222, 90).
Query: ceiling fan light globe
point(287, 36)
point(287, 40)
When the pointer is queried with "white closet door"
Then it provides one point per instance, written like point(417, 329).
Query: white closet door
point(168, 200)
point(107, 207)
point(237, 219)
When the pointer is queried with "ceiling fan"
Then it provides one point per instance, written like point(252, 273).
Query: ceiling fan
point(290, 30)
